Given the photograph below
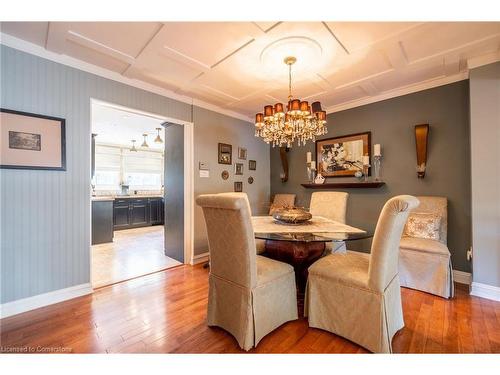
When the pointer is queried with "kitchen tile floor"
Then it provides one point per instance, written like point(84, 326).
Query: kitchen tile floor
point(133, 253)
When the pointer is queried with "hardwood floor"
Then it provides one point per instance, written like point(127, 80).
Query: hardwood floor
point(165, 313)
point(133, 252)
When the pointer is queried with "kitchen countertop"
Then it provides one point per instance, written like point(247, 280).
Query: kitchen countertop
point(113, 197)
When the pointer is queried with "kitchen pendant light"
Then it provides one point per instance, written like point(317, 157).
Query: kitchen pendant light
point(133, 149)
point(158, 138)
point(145, 143)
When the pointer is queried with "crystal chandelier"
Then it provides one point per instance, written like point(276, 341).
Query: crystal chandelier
point(301, 122)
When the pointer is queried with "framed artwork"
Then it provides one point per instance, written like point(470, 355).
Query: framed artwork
point(250, 180)
point(225, 153)
point(238, 186)
point(252, 165)
point(238, 168)
point(342, 156)
point(242, 153)
point(225, 175)
point(32, 141)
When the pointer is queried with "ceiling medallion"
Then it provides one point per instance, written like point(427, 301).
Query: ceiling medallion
point(301, 122)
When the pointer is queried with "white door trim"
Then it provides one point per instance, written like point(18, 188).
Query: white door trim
point(188, 175)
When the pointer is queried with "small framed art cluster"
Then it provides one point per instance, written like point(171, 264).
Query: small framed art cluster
point(225, 156)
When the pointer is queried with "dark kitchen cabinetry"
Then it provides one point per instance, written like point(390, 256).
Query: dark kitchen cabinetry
point(137, 212)
point(102, 221)
point(156, 208)
point(121, 214)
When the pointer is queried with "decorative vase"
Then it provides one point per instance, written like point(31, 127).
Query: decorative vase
point(319, 179)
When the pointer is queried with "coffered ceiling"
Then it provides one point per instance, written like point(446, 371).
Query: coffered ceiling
point(238, 66)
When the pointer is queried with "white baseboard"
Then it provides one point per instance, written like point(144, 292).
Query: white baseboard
point(462, 277)
point(485, 291)
point(200, 258)
point(26, 304)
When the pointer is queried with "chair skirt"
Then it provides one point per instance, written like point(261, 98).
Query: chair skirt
point(247, 314)
point(428, 272)
point(368, 318)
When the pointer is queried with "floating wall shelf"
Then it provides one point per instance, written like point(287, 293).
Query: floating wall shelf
point(346, 185)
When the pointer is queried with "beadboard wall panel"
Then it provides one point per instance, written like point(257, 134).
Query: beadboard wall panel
point(45, 215)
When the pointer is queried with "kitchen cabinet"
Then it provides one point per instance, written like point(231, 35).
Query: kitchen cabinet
point(137, 212)
point(121, 214)
point(102, 221)
point(156, 207)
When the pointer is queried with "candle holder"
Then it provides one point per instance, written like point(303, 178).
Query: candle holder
point(365, 171)
point(309, 173)
point(377, 165)
point(313, 175)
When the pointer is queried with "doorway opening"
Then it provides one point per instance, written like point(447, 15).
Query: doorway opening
point(128, 195)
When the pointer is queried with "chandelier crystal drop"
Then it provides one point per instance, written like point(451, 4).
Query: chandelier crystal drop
point(301, 122)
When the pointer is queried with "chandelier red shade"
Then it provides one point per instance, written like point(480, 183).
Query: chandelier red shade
point(300, 122)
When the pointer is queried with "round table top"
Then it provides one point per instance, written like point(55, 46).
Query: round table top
point(313, 237)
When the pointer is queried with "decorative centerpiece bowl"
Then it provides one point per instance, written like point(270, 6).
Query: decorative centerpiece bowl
point(292, 216)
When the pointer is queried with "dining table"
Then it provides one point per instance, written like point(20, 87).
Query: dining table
point(300, 245)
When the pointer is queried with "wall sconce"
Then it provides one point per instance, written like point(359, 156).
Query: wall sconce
point(421, 136)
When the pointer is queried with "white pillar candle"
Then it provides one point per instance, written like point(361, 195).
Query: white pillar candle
point(313, 164)
point(309, 157)
point(366, 160)
point(376, 150)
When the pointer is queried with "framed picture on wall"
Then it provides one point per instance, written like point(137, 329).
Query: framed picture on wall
point(252, 165)
point(242, 153)
point(32, 141)
point(225, 153)
point(238, 168)
point(238, 186)
point(342, 156)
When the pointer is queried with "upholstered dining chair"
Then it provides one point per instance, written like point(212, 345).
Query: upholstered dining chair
point(249, 295)
point(424, 257)
point(331, 205)
point(357, 295)
point(282, 200)
point(279, 201)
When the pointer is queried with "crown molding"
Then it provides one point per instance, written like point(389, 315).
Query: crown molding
point(478, 61)
point(400, 91)
point(34, 49)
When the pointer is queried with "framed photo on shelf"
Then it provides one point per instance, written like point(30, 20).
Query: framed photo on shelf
point(238, 186)
point(342, 156)
point(225, 153)
point(32, 141)
point(238, 168)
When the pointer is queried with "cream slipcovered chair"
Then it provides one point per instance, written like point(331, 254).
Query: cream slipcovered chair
point(249, 295)
point(331, 205)
point(425, 264)
point(282, 200)
point(356, 295)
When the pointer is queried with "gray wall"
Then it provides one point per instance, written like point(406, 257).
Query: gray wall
point(485, 173)
point(45, 216)
point(237, 133)
point(392, 125)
